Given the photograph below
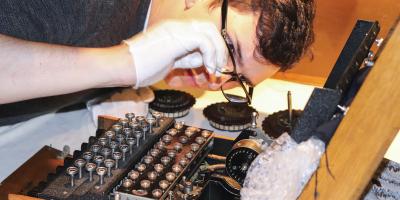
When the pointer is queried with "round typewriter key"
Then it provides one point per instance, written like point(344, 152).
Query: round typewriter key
point(140, 120)
point(117, 156)
point(157, 193)
point(90, 167)
point(170, 176)
point(80, 163)
point(127, 184)
point(95, 148)
point(194, 147)
point(98, 160)
point(189, 155)
point(172, 132)
point(194, 129)
point(163, 184)
point(124, 148)
point(159, 168)
point(165, 160)
point(189, 132)
point(179, 125)
point(176, 168)
point(183, 162)
point(105, 152)
point(120, 138)
point(154, 152)
point(200, 140)
point(158, 116)
point(152, 175)
point(145, 184)
point(127, 132)
point(124, 122)
point(109, 163)
point(117, 128)
point(87, 156)
point(148, 159)
point(171, 153)
point(101, 171)
point(134, 125)
point(178, 146)
point(205, 133)
point(113, 146)
point(72, 171)
point(160, 145)
point(167, 139)
point(130, 116)
point(183, 139)
point(134, 175)
point(141, 167)
point(151, 121)
point(139, 192)
point(102, 141)
point(110, 135)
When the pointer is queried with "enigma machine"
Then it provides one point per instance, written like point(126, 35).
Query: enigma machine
point(159, 157)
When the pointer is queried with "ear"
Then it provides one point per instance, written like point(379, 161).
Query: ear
point(189, 4)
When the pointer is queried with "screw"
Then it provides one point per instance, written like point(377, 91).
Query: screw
point(87, 156)
point(113, 146)
point(72, 171)
point(109, 163)
point(98, 160)
point(130, 141)
point(105, 152)
point(130, 116)
point(90, 167)
point(80, 163)
point(116, 156)
point(101, 171)
point(110, 135)
point(124, 148)
point(95, 148)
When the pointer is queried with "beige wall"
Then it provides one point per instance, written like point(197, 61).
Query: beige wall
point(333, 24)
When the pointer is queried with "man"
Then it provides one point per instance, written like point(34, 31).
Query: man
point(59, 47)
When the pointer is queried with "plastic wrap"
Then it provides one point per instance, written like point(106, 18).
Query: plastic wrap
point(282, 169)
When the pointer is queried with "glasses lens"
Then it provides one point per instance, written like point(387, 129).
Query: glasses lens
point(234, 92)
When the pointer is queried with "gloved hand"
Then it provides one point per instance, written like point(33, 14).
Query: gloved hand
point(173, 44)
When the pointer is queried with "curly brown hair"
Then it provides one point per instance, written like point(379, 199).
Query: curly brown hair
point(284, 29)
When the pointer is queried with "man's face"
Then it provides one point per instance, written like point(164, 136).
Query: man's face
point(241, 28)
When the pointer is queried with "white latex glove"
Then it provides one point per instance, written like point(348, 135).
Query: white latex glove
point(174, 44)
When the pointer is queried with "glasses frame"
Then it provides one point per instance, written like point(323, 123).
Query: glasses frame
point(237, 77)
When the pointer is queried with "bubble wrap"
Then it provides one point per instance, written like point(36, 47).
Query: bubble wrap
point(282, 169)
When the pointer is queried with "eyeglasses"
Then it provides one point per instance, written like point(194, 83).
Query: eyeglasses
point(237, 79)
